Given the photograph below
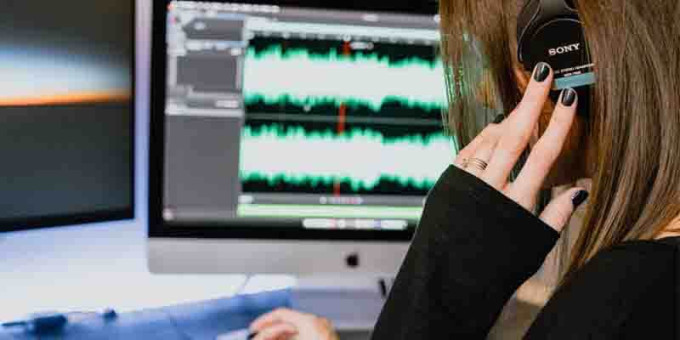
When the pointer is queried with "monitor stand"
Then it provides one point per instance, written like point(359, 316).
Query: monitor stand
point(351, 304)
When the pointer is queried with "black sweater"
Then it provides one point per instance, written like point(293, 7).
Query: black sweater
point(474, 247)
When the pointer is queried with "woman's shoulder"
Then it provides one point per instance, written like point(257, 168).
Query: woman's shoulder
point(629, 260)
point(627, 269)
point(630, 281)
point(620, 275)
point(646, 247)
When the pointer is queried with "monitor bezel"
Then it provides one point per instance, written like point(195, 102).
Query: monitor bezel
point(157, 227)
point(94, 216)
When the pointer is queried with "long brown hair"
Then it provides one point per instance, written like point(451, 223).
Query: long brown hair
point(633, 133)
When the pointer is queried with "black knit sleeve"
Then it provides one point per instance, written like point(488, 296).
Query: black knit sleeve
point(473, 248)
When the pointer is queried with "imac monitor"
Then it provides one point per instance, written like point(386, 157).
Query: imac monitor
point(291, 139)
point(66, 112)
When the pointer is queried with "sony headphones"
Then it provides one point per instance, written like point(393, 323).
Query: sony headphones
point(551, 31)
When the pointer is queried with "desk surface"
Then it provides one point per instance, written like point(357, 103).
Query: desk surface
point(100, 266)
point(207, 319)
point(200, 320)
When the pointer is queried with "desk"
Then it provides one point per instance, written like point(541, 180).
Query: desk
point(200, 320)
point(98, 266)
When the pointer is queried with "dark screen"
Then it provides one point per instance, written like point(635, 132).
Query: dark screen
point(66, 117)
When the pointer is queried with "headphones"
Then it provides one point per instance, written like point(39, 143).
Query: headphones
point(551, 31)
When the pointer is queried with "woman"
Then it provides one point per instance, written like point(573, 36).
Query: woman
point(478, 239)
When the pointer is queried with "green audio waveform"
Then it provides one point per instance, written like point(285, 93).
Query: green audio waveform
point(282, 133)
point(355, 185)
point(361, 158)
point(285, 98)
point(298, 77)
point(277, 51)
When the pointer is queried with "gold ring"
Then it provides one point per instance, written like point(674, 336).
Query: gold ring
point(477, 163)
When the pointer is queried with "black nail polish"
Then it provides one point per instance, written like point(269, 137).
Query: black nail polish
point(541, 72)
point(499, 118)
point(568, 97)
point(579, 198)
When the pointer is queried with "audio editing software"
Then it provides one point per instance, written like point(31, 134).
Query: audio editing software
point(302, 117)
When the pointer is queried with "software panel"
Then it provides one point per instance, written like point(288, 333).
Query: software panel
point(300, 118)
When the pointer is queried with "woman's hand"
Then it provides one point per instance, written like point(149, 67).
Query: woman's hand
point(283, 324)
point(492, 155)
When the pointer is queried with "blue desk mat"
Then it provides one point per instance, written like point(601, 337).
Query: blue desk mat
point(199, 320)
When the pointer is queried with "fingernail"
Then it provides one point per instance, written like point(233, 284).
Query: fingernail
point(541, 72)
point(579, 198)
point(499, 118)
point(568, 97)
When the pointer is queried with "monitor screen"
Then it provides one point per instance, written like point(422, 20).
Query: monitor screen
point(66, 112)
point(300, 118)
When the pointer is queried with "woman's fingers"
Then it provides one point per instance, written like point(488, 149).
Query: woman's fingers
point(559, 211)
point(477, 162)
point(277, 316)
point(278, 324)
point(470, 150)
point(545, 152)
point(519, 127)
point(284, 323)
point(277, 331)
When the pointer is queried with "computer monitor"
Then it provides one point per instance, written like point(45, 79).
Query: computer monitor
point(66, 112)
point(291, 139)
